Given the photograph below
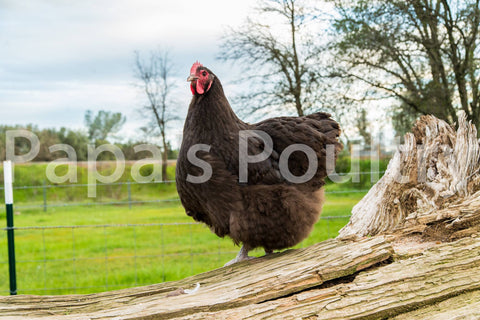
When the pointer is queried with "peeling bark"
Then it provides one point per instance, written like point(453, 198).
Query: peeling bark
point(430, 183)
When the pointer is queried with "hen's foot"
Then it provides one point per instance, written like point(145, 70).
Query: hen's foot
point(242, 255)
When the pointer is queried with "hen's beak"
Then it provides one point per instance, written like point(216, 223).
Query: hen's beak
point(192, 77)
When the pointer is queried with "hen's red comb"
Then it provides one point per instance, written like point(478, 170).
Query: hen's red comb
point(197, 64)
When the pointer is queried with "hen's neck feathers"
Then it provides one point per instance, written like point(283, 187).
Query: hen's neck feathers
point(211, 114)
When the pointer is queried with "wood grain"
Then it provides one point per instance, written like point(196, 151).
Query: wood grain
point(330, 280)
point(431, 186)
point(251, 282)
point(418, 283)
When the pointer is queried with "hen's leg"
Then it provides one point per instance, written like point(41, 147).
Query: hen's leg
point(242, 255)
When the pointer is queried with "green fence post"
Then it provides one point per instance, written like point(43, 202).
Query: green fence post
point(7, 178)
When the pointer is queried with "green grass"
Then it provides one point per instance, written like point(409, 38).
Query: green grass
point(35, 175)
point(93, 259)
point(149, 243)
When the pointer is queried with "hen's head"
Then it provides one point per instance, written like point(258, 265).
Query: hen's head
point(200, 79)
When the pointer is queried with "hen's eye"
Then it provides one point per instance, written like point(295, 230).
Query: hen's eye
point(204, 73)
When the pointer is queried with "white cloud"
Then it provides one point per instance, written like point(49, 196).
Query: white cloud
point(63, 103)
point(60, 58)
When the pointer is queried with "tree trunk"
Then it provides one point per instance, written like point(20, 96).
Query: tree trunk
point(431, 186)
point(164, 158)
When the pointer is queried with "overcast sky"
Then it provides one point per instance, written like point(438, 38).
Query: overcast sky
point(59, 58)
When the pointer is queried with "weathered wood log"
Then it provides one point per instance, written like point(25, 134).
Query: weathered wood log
point(465, 306)
point(251, 282)
point(382, 292)
point(430, 185)
point(335, 279)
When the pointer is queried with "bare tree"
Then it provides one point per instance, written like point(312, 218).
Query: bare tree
point(155, 76)
point(283, 64)
point(424, 53)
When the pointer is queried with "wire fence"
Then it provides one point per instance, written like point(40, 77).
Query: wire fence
point(90, 257)
point(105, 257)
point(145, 254)
point(129, 199)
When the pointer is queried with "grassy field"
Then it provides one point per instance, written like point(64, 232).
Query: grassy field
point(92, 248)
point(91, 259)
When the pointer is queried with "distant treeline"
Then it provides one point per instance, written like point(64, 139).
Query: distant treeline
point(78, 139)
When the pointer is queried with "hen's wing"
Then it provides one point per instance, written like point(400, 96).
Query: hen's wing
point(314, 131)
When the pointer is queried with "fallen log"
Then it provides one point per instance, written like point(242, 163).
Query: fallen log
point(386, 291)
point(364, 279)
point(251, 282)
point(431, 186)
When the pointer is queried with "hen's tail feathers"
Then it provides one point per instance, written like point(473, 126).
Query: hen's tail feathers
point(325, 124)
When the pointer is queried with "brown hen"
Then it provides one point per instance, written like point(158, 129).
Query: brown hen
point(260, 184)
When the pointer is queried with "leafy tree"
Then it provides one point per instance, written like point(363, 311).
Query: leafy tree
point(172, 153)
point(47, 138)
point(22, 145)
point(363, 128)
point(423, 52)
point(403, 118)
point(103, 124)
point(77, 139)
